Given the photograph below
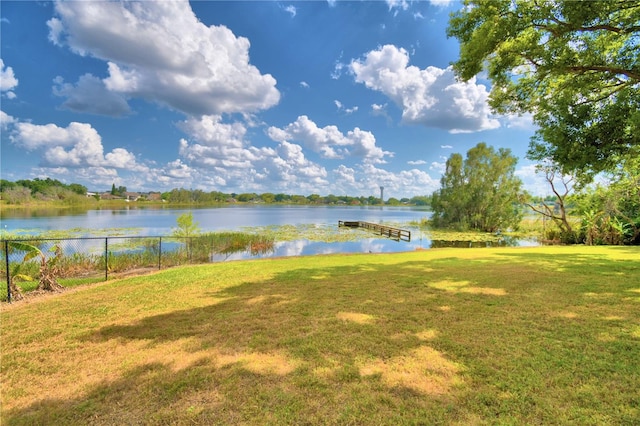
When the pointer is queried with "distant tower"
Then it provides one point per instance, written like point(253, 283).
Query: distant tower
point(382, 194)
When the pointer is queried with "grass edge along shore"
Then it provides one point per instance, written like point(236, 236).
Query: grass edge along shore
point(458, 336)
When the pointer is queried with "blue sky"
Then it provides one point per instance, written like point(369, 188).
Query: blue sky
point(284, 97)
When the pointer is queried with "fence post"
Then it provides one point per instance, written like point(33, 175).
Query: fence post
point(159, 253)
point(6, 257)
point(106, 259)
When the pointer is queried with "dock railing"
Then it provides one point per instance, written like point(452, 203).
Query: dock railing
point(387, 231)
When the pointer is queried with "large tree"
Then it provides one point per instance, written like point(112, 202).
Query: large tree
point(480, 192)
point(574, 65)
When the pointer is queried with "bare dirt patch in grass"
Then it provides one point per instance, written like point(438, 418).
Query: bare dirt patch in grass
point(424, 370)
point(355, 317)
point(465, 287)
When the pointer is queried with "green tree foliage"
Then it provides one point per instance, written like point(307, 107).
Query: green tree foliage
point(246, 197)
point(421, 200)
point(48, 273)
point(332, 199)
point(314, 198)
point(186, 226)
point(611, 213)
point(179, 196)
point(49, 186)
point(268, 197)
point(480, 192)
point(575, 65)
point(393, 201)
point(281, 198)
point(373, 200)
point(5, 185)
point(17, 195)
point(119, 191)
point(77, 188)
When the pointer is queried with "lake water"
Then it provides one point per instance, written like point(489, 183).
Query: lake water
point(160, 221)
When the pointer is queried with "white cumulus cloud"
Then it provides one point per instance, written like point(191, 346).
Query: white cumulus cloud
point(432, 97)
point(341, 107)
point(76, 146)
point(369, 178)
point(161, 52)
point(291, 9)
point(438, 166)
point(524, 121)
point(329, 141)
point(90, 95)
point(6, 121)
point(8, 81)
point(441, 3)
point(215, 144)
point(397, 4)
point(220, 150)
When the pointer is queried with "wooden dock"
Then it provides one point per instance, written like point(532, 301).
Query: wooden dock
point(388, 231)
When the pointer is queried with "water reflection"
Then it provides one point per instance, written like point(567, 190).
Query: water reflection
point(28, 213)
point(503, 242)
point(308, 248)
point(367, 245)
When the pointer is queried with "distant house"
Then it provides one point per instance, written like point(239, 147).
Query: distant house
point(131, 196)
point(108, 196)
point(154, 196)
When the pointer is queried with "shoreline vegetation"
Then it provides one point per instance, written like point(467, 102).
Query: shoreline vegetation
point(67, 258)
point(505, 335)
point(79, 261)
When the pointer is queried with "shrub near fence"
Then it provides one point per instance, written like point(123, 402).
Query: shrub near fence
point(88, 260)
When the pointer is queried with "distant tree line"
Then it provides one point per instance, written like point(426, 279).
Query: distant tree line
point(48, 189)
point(23, 191)
point(184, 196)
point(42, 186)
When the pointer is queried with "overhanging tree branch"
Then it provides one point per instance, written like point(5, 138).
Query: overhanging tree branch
point(580, 69)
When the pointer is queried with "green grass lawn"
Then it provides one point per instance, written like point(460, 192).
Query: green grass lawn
point(547, 335)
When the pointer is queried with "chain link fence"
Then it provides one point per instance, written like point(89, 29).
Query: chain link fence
point(76, 261)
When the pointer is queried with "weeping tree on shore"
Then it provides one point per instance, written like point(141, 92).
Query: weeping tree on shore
point(480, 192)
